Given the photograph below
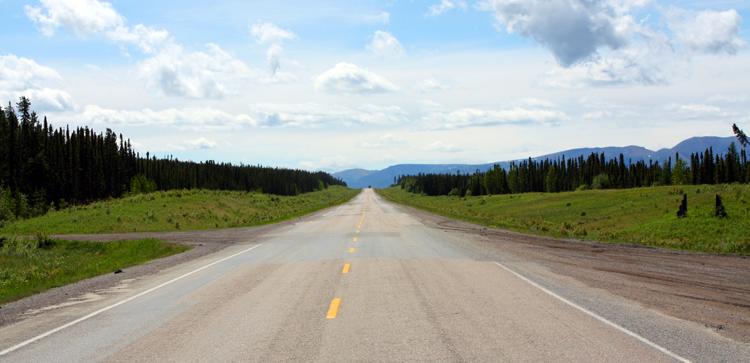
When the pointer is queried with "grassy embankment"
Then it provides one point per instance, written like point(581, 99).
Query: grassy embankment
point(179, 210)
point(644, 216)
point(29, 266)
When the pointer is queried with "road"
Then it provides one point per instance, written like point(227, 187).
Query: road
point(366, 281)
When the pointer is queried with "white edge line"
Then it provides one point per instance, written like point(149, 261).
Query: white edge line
point(110, 307)
point(596, 316)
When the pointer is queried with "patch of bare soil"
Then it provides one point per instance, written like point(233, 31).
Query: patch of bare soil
point(712, 290)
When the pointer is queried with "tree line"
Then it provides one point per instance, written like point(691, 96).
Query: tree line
point(594, 171)
point(43, 167)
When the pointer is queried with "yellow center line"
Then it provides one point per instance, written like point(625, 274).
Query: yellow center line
point(333, 309)
point(346, 268)
point(355, 239)
point(352, 249)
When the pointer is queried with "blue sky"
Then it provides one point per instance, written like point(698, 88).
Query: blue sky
point(338, 84)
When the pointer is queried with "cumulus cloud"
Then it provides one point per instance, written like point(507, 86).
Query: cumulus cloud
point(573, 30)
point(184, 118)
point(446, 5)
point(273, 36)
point(24, 77)
point(707, 31)
point(316, 115)
point(624, 68)
point(473, 117)
point(305, 115)
point(92, 17)
point(347, 78)
point(267, 33)
point(201, 143)
point(201, 74)
point(385, 45)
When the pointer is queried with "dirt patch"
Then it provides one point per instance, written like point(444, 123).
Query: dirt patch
point(202, 243)
point(712, 290)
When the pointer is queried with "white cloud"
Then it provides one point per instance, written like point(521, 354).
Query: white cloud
point(304, 115)
point(273, 36)
point(329, 163)
point(25, 77)
point(623, 68)
point(707, 31)
point(573, 30)
point(347, 78)
point(316, 115)
point(176, 72)
point(267, 33)
point(92, 17)
point(201, 143)
point(446, 5)
point(185, 118)
point(146, 38)
point(473, 117)
point(440, 146)
point(382, 17)
point(385, 45)
point(431, 85)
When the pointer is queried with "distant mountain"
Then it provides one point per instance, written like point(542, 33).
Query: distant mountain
point(361, 178)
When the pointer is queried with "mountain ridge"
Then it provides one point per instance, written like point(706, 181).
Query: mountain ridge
point(361, 178)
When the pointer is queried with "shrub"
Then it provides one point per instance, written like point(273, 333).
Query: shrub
point(454, 192)
point(682, 211)
point(720, 211)
point(601, 181)
point(140, 184)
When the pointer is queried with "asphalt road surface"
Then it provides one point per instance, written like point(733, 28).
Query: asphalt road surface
point(365, 281)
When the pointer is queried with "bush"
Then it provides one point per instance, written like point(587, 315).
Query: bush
point(682, 211)
point(140, 184)
point(720, 211)
point(454, 192)
point(601, 181)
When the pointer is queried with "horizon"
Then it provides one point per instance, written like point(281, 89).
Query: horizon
point(334, 86)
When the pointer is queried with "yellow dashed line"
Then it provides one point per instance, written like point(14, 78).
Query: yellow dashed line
point(346, 268)
point(352, 249)
point(355, 239)
point(333, 309)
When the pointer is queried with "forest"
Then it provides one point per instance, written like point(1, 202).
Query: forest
point(42, 167)
point(592, 172)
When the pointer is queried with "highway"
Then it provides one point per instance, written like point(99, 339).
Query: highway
point(365, 281)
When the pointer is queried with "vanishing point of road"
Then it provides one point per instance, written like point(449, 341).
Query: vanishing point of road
point(365, 281)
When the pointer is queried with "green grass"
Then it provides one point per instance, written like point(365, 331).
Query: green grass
point(644, 216)
point(26, 267)
point(179, 210)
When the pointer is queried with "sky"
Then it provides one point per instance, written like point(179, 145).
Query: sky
point(331, 85)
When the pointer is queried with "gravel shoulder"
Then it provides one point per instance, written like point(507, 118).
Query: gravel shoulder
point(712, 290)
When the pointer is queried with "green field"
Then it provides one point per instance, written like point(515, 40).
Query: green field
point(644, 216)
point(33, 265)
point(179, 210)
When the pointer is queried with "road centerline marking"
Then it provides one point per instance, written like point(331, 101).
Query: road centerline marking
point(595, 315)
point(333, 309)
point(121, 302)
point(355, 239)
point(346, 268)
point(352, 250)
